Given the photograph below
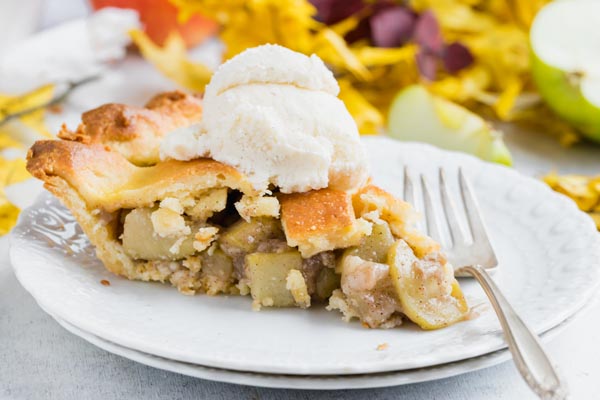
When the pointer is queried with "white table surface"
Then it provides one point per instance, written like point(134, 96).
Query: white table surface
point(41, 360)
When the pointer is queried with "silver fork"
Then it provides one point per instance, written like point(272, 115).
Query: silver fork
point(473, 255)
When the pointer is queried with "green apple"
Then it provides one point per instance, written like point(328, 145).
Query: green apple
point(565, 42)
point(417, 115)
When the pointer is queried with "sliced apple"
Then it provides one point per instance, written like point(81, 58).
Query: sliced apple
point(417, 115)
point(429, 294)
point(372, 248)
point(141, 242)
point(267, 273)
point(566, 62)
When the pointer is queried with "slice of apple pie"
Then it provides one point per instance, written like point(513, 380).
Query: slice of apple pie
point(262, 190)
point(203, 227)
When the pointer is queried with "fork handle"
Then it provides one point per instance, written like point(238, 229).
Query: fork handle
point(528, 354)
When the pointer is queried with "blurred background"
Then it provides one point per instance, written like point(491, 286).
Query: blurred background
point(487, 77)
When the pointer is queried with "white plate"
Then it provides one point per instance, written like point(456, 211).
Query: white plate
point(549, 256)
point(313, 382)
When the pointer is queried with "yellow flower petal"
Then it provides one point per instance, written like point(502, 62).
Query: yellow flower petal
point(172, 60)
point(16, 104)
point(464, 86)
point(35, 120)
point(379, 56)
point(11, 105)
point(579, 188)
point(584, 190)
point(332, 48)
point(7, 142)
point(11, 171)
point(368, 118)
point(8, 216)
point(345, 25)
point(596, 217)
point(523, 12)
point(507, 99)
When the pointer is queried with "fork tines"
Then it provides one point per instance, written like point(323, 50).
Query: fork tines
point(465, 245)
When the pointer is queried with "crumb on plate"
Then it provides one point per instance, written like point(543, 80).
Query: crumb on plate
point(382, 346)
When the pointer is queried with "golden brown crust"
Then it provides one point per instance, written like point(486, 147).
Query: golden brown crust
point(321, 220)
point(86, 167)
point(106, 180)
point(177, 105)
point(133, 131)
point(315, 212)
point(113, 122)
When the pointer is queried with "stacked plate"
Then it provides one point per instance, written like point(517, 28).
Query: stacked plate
point(548, 251)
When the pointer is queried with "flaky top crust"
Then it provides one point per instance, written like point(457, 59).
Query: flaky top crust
point(136, 132)
point(321, 220)
point(316, 212)
point(106, 180)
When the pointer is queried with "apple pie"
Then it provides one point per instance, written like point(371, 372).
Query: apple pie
point(201, 225)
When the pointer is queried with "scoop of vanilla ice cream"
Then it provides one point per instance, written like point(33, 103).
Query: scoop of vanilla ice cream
point(274, 114)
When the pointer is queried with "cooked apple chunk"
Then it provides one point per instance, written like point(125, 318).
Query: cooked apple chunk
point(217, 271)
point(247, 235)
point(267, 274)
point(141, 242)
point(375, 246)
point(295, 283)
point(428, 292)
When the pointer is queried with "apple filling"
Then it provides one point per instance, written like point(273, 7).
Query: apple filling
point(222, 242)
point(214, 244)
